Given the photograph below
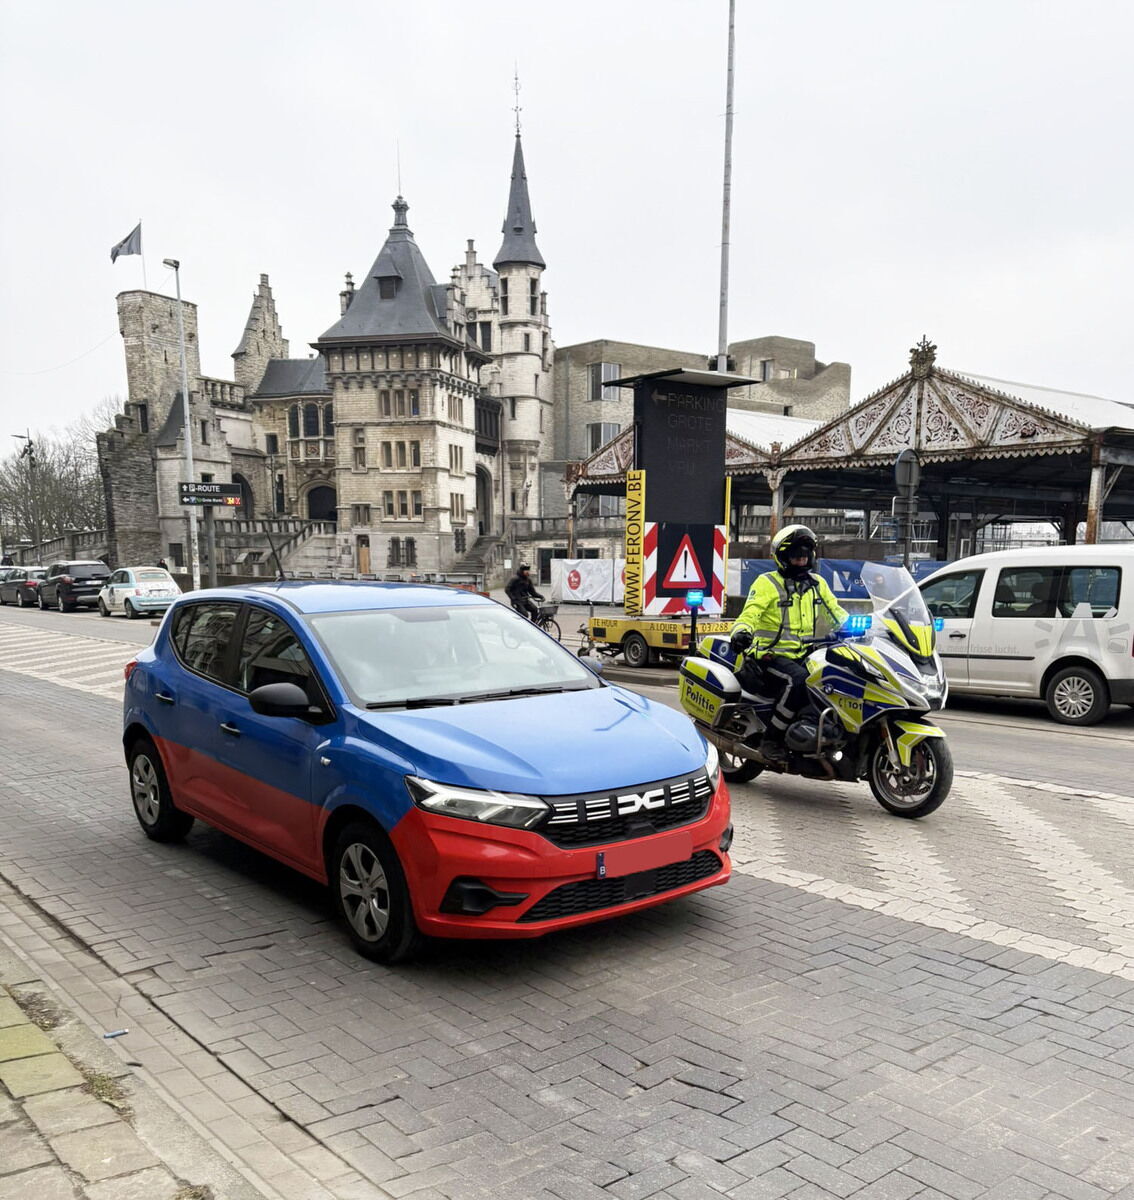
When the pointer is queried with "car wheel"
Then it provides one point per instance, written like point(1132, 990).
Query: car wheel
point(59, 602)
point(131, 611)
point(20, 601)
point(371, 894)
point(2, 600)
point(160, 820)
point(103, 611)
point(635, 650)
point(1077, 696)
point(42, 602)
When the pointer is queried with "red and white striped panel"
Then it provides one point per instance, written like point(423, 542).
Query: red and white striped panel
point(667, 606)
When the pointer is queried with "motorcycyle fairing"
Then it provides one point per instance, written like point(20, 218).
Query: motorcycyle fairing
point(869, 686)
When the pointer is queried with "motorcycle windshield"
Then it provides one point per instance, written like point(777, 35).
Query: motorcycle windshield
point(899, 608)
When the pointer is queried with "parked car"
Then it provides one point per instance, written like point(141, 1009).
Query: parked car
point(20, 585)
point(1055, 622)
point(448, 768)
point(133, 591)
point(73, 583)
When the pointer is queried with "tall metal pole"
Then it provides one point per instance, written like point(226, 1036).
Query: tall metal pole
point(722, 333)
point(186, 420)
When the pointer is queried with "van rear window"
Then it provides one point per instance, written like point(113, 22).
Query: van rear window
point(1090, 588)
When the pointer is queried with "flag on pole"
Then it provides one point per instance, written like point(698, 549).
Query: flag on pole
point(130, 244)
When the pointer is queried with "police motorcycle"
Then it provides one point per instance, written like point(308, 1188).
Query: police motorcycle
point(869, 684)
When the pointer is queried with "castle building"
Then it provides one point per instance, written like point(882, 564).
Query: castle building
point(428, 433)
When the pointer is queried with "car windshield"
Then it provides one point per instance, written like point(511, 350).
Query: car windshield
point(414, 657)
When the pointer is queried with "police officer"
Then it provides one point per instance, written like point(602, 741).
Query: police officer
point(521, 591)
point(784, 607)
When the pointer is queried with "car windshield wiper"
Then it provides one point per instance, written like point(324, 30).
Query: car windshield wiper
point(417, 702)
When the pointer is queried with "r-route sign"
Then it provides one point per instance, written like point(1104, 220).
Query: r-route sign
point(199, 494)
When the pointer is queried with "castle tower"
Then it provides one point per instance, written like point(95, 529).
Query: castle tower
point(263, 340)
point(524, 353)
point(404, 378)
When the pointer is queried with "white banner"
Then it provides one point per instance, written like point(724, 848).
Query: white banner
point(600, 580)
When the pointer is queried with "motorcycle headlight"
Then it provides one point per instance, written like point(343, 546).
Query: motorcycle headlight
point(472, 804)
point(713, 765)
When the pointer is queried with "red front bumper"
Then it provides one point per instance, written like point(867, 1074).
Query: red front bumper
point(436, 850)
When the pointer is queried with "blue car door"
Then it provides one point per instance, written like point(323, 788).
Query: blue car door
point(269, 761)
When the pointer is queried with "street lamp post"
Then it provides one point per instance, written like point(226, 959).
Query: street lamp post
point(194, 555)
point(28, 452)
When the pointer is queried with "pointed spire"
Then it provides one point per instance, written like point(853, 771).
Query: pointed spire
point(519, 229)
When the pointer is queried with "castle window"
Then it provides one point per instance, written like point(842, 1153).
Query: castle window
point(512, 407)
point(459, 541)
point(293, 421)
point(144, 418)
point(527, 342)
point(416, 497)
point(457, 460)
point(401, 454)
point(388, 503)
point(541, 418)
point(512, 504)
point(415, 454)
point(403, 504)
point(387, 287)
point(414, 410)
point(387, 454)
point(272, 442)
point(399, 403)
point(360, 514)
point(384, 403)
point(503, 297)
point(486, 335)
point(205, 432)
point(328, 420)
point(394, 556)
point(311, 420)
point(533, 297)
point(599, 434)
point(456, 506)
point(766, 367)
point(411, 552)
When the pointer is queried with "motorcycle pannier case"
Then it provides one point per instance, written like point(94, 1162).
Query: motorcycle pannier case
point(705, 687)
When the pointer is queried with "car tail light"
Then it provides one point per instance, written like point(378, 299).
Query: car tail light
point(65, 579)
point(137, 591)
point(128, 669)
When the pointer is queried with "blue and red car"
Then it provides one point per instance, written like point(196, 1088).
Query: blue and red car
point(446, 767)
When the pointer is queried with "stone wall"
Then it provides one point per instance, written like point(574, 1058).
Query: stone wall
point(126, 464)
point(148, 323)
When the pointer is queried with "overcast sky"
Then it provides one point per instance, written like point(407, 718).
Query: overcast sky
point(959, 169)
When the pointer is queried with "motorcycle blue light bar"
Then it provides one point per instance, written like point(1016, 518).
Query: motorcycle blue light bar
point(858, 622)
point(938, 623)
point(695, 598)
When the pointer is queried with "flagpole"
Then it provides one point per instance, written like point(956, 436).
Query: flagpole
point(186, 418)
point(145, 282)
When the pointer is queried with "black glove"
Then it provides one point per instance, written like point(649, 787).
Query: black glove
point(740, 640)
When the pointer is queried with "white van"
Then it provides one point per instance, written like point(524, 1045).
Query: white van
point(1056, 622)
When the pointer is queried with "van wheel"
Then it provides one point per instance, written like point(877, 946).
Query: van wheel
point(371, 894)
point(635, 650)
point(1077, 696)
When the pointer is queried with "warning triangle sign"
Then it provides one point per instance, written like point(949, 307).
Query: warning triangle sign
point(685, 570)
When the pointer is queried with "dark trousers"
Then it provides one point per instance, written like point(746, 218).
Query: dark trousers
point(784, 678)
point(526, 607)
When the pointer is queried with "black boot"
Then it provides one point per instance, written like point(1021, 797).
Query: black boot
point(771, 749)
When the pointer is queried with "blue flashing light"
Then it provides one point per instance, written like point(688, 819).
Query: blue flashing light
point(938, 623)
point(857, 623)
point(695, 598)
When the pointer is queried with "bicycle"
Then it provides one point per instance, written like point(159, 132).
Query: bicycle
point(547, 622)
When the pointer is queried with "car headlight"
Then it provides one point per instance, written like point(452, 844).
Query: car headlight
point(713, 765)
point(473, 804)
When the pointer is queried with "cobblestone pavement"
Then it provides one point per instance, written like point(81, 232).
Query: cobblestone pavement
point(872, 1008)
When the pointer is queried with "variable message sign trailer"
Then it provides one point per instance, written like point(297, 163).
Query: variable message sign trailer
point(677, 502)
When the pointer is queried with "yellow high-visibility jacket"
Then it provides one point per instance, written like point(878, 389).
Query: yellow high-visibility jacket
point(780, 612)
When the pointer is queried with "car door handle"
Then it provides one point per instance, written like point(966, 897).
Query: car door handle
point(230, 728)
point(164, 697)
point(957, 635)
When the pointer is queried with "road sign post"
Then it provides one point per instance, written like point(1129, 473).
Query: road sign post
point(205, 495)
point(907, 475)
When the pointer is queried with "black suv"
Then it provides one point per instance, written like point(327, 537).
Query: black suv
point(69, 584)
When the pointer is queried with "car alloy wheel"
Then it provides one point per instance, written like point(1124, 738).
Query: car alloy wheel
point(20, 601)
point(59, 602)
point(103, 611)
point(160, 820)
point(371, 894)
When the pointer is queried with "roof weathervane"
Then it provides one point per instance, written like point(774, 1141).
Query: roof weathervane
point(922, 357)
point(516, 88)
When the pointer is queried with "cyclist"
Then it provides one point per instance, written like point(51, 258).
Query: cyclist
point(521, 592)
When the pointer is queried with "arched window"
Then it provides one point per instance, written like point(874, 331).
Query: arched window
point(328, 420)
point(311, 420)
point(293, 421)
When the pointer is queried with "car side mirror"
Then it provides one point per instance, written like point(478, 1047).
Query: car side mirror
point(283, 700)
point(592, 662)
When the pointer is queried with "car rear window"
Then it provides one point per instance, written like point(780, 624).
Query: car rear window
point(88, 571)
point(154, 575)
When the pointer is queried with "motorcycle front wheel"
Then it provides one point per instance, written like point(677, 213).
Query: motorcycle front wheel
point(738, 769)
point(918, 789)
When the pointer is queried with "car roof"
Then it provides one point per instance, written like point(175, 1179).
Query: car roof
point(326, 596)
point(1101, 553)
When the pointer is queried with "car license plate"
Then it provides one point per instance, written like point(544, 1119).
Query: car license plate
point(644, 855)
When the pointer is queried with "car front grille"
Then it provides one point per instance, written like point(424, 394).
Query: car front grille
point(596, 818)
point(593, 895)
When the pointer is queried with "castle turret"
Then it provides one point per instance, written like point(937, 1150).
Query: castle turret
point(524, 353)
point(263, 339)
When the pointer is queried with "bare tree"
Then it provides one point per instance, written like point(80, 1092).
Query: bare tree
point(52, 483)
